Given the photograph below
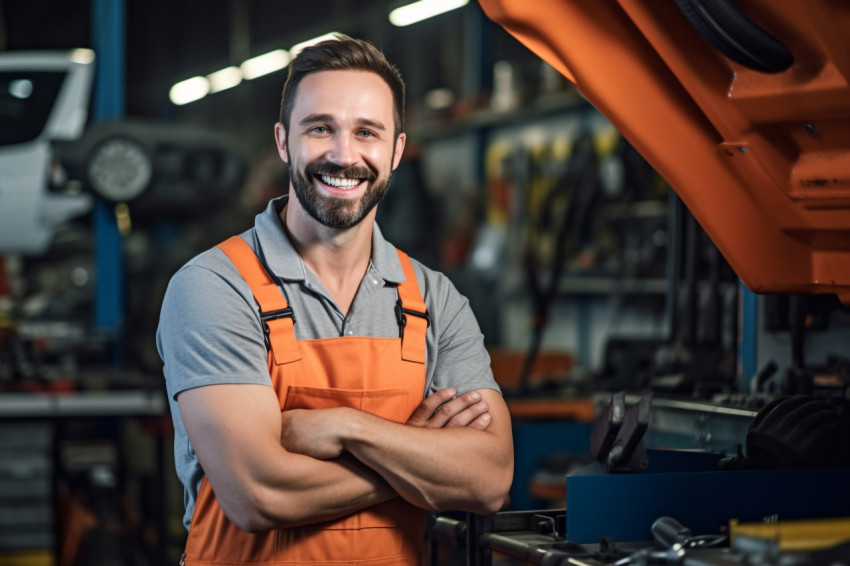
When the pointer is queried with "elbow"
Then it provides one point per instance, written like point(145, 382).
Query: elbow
point(250, 520)
point(247, 519)
point(493, 504)
point(493, 501)
point(494, 493)
point(249, 513)
point(481, 504)
point(487, 496)
point(251, 523)
point(270, 509)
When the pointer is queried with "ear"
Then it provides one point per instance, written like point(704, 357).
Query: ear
point(399, 149)
point(280, 141)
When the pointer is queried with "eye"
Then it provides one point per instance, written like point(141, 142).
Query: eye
point(319, 130)
point(366, 133)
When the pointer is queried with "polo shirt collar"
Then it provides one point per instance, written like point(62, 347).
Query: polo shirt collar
point(385, 260)
point(284, 262)
point(277, 251)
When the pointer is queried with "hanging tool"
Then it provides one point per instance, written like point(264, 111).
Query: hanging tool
point(578, 185)
point(616, 441)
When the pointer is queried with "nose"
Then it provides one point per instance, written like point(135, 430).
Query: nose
point(343, 151)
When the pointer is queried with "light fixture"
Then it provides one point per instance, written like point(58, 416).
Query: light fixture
point(81, 55)
point(422, 10)
point(196, 88)
point(265, 64)
point(224, 79)
point(189, 90)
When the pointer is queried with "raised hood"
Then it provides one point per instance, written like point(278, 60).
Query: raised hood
point(744, 108)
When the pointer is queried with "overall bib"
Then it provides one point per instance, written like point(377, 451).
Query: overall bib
point(382, 376)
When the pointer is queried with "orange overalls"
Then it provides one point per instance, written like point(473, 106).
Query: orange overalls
point(382, 376)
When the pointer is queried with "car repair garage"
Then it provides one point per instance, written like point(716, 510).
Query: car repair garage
point(443, 282)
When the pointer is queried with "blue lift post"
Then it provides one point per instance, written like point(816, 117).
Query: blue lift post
point(108, 40)
point(748, 343)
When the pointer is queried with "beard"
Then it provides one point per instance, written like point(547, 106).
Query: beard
point(335, 212)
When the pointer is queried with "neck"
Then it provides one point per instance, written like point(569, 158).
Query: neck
point(339, 258)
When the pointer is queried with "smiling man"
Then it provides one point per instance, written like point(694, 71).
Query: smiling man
point(325, 387)
point(337, 191)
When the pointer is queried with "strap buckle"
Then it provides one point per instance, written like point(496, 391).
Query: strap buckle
point(266, 317)
point(401, 316)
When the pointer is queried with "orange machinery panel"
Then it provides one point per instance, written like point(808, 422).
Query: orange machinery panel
point(761, 158)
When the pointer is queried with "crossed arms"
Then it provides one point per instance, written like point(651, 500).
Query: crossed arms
point(270, 469)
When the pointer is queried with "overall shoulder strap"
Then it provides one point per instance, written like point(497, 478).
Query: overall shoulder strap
point(277, 317)
point(411, 313)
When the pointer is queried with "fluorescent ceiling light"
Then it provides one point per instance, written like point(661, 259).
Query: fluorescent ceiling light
point(82, 55)
point(298, 47)
point(265, 64)
point(224, 79)
point(196, 88)
point(422, 10)
point(189, 90)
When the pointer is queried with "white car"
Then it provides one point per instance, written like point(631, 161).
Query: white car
point(44, 98)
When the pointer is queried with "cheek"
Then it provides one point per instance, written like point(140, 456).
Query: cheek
point(296, 160)
point(380, 161)
point(308, 153)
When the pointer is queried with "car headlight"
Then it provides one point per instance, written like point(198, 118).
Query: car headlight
point(119, 169)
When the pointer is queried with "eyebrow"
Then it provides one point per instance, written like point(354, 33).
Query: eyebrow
point(374, 124)
point(313, 118)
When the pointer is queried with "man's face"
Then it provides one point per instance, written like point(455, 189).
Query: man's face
point(341, 145)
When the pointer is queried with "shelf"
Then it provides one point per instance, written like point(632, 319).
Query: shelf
point(613, 285)
point(434, 128)
point(105, 404)
point(580, 410)
point(576, 285)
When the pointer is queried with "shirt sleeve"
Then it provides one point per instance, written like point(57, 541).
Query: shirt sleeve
point(462, 360)
point(209, 331)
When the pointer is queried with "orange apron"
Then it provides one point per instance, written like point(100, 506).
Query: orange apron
point(382, 376)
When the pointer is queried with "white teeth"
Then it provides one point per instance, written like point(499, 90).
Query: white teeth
point(339, 183)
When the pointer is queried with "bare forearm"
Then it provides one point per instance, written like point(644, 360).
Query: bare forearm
point(311, 491)
point(450, 468)
point(459, 456)
point(257, 482)
point(436, 469)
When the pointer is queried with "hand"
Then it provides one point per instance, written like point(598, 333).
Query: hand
point(441, 410)
point(311, 432)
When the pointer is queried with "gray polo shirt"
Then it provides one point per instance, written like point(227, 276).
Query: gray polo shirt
point(210, 331)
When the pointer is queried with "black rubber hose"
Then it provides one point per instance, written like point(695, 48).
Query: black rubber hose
point(730, 31)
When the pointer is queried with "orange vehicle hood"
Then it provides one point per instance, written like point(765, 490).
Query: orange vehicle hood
point(762, 159)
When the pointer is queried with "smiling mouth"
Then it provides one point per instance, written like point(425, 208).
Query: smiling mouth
point(339, 182)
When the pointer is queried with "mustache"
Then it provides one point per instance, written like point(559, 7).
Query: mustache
point(334, 170)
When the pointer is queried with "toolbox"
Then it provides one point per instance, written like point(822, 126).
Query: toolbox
point(690, 487)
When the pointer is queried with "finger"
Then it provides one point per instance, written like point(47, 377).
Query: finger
point(454, 408)
point(426, 408)
point(468, 415)
point(482, 422)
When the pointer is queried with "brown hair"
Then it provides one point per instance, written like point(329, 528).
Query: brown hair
point(342, 54)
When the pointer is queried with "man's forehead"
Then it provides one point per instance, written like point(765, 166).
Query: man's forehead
point(326, 89)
